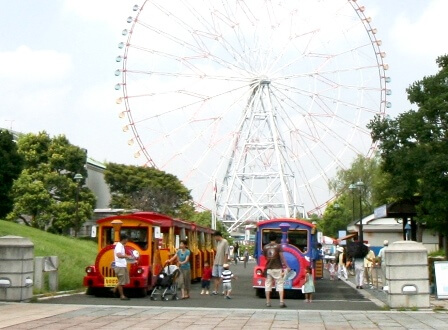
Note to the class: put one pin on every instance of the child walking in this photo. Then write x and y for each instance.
(226, 278)
(308, 287)
(206, 278)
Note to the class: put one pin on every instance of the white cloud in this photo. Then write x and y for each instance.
(112, 12)
(425, 35)
(25, 64)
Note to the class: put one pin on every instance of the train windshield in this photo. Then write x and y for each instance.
(296, 237)
(136, 235)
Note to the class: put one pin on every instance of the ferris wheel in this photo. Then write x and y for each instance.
(253, 105)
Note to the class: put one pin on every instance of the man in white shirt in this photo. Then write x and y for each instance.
(382, 261)
(221, 257)
(121, 267)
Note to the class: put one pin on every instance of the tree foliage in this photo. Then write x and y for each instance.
(149, 189)
(346, 207)
(414, 148)
(10, 167)
(45, 194)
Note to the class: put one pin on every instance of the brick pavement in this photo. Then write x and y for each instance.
(50, 316)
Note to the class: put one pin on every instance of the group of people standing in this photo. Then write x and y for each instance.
(276, 269)
(363, 266)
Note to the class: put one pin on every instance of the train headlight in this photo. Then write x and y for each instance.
(139, 270)
(89, 270)
(259, 272)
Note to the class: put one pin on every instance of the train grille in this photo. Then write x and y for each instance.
(107, 271)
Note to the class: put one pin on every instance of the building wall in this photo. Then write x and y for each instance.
(378, 230)
(95, 182)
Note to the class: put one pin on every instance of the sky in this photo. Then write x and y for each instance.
(57, 63)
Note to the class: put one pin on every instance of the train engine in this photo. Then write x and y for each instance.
(298, 240)
(100, 277)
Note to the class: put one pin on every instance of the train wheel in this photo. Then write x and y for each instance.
(142, 293)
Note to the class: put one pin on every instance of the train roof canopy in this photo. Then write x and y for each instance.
(278, 221)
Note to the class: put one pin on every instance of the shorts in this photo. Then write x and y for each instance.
(227, 286)
(217, 270)
(205, 284)
(186, 279)
(122, 274)
(277, 275)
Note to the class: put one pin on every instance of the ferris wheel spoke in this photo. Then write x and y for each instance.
(330, 99)
(181, 108)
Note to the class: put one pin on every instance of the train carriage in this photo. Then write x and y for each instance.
(153, 238)
(298, 240)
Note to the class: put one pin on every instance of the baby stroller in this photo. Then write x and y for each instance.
(166, 284)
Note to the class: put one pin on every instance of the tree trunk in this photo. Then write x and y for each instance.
(445, 246)
(420, 230)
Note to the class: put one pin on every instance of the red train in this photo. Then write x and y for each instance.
(153, 237)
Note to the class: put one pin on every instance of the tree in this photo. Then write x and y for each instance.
(345, 208)
(45, 192)
(10, 167)
(414, 148)
(205, 219)
(147, 188)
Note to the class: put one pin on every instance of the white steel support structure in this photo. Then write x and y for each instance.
(258, 183)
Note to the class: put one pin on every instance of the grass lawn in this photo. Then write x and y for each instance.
(74, 254)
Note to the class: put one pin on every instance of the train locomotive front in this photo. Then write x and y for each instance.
(100, 277)
(298, 240)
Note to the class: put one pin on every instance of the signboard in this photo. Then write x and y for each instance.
(342, 233)
(157, 233)
(441, 271)
(380, 212)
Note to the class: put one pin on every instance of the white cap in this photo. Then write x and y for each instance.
(386, 242)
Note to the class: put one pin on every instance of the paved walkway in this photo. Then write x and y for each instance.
(46, 316)
(66, 316)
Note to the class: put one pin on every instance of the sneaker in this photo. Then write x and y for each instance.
(207, 292)
(223, 293)
(227, 297)
(282, 305)
(214, 293)
(202, 292)
(268, 304)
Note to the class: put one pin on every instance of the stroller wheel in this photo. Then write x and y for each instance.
(166, 298)
(175, 297)
(152, 298)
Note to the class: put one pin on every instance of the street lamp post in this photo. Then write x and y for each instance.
(360, 186)
(352, 188)
(78, 177)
